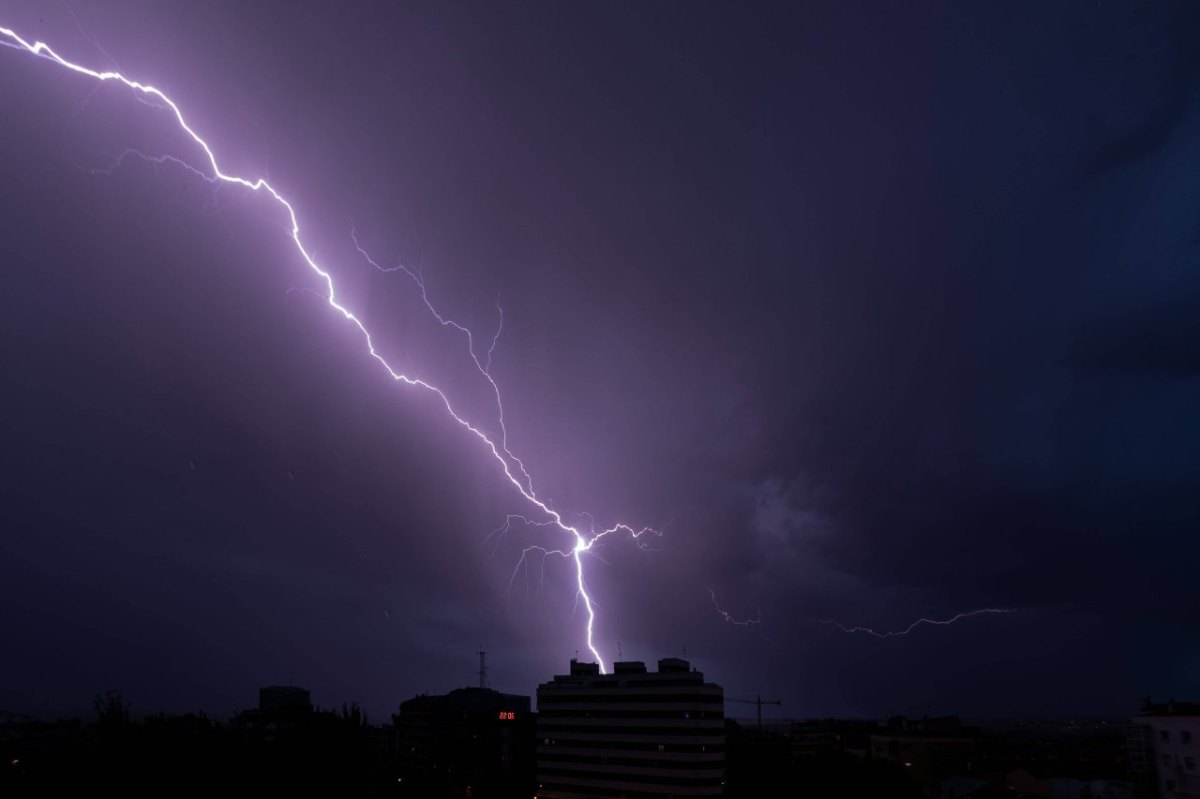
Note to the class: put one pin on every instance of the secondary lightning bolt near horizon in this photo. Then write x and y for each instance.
(750, 622)
(915, 624)
(582, 541)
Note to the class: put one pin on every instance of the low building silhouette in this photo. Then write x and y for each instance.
(470, 742)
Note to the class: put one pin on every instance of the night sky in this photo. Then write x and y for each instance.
(877, 312)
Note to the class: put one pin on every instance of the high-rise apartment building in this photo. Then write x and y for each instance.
(633, 733)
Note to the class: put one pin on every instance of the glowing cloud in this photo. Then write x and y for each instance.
(580, 541)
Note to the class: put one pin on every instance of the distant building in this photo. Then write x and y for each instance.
(1075, 788)
(811, 739)
(929, 748)
(281, 708)
(1166, 741)
(277, 700)
(1059, 780)
(822, 736)
(630, 733)
(471, 742)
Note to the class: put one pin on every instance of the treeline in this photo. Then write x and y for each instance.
(268, 754)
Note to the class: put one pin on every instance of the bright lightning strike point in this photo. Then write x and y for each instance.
(582, 540)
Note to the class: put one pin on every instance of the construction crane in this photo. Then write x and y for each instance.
(759, 702)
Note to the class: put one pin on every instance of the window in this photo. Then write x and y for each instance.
(1170, 785)
(1164, 735)
(1187, 736)
(1167, 760)
(1189, 763)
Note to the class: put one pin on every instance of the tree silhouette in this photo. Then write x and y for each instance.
(111, 709)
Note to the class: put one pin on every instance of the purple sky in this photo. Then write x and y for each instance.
(877, 313)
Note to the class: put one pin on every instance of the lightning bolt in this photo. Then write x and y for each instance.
(484, 368)
(580, 541)
(729, 617)
(915, 624)
(748, 622)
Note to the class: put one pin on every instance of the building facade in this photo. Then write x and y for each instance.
(634, 734)
(1166, 742)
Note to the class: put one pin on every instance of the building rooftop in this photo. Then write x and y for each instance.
(1169, 708)
(665, 666)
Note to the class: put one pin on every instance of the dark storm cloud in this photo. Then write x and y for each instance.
(1161, 340)
(817, 289)
(1153, 132)
(965, 451)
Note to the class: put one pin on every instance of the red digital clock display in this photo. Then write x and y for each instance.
(508, 715)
